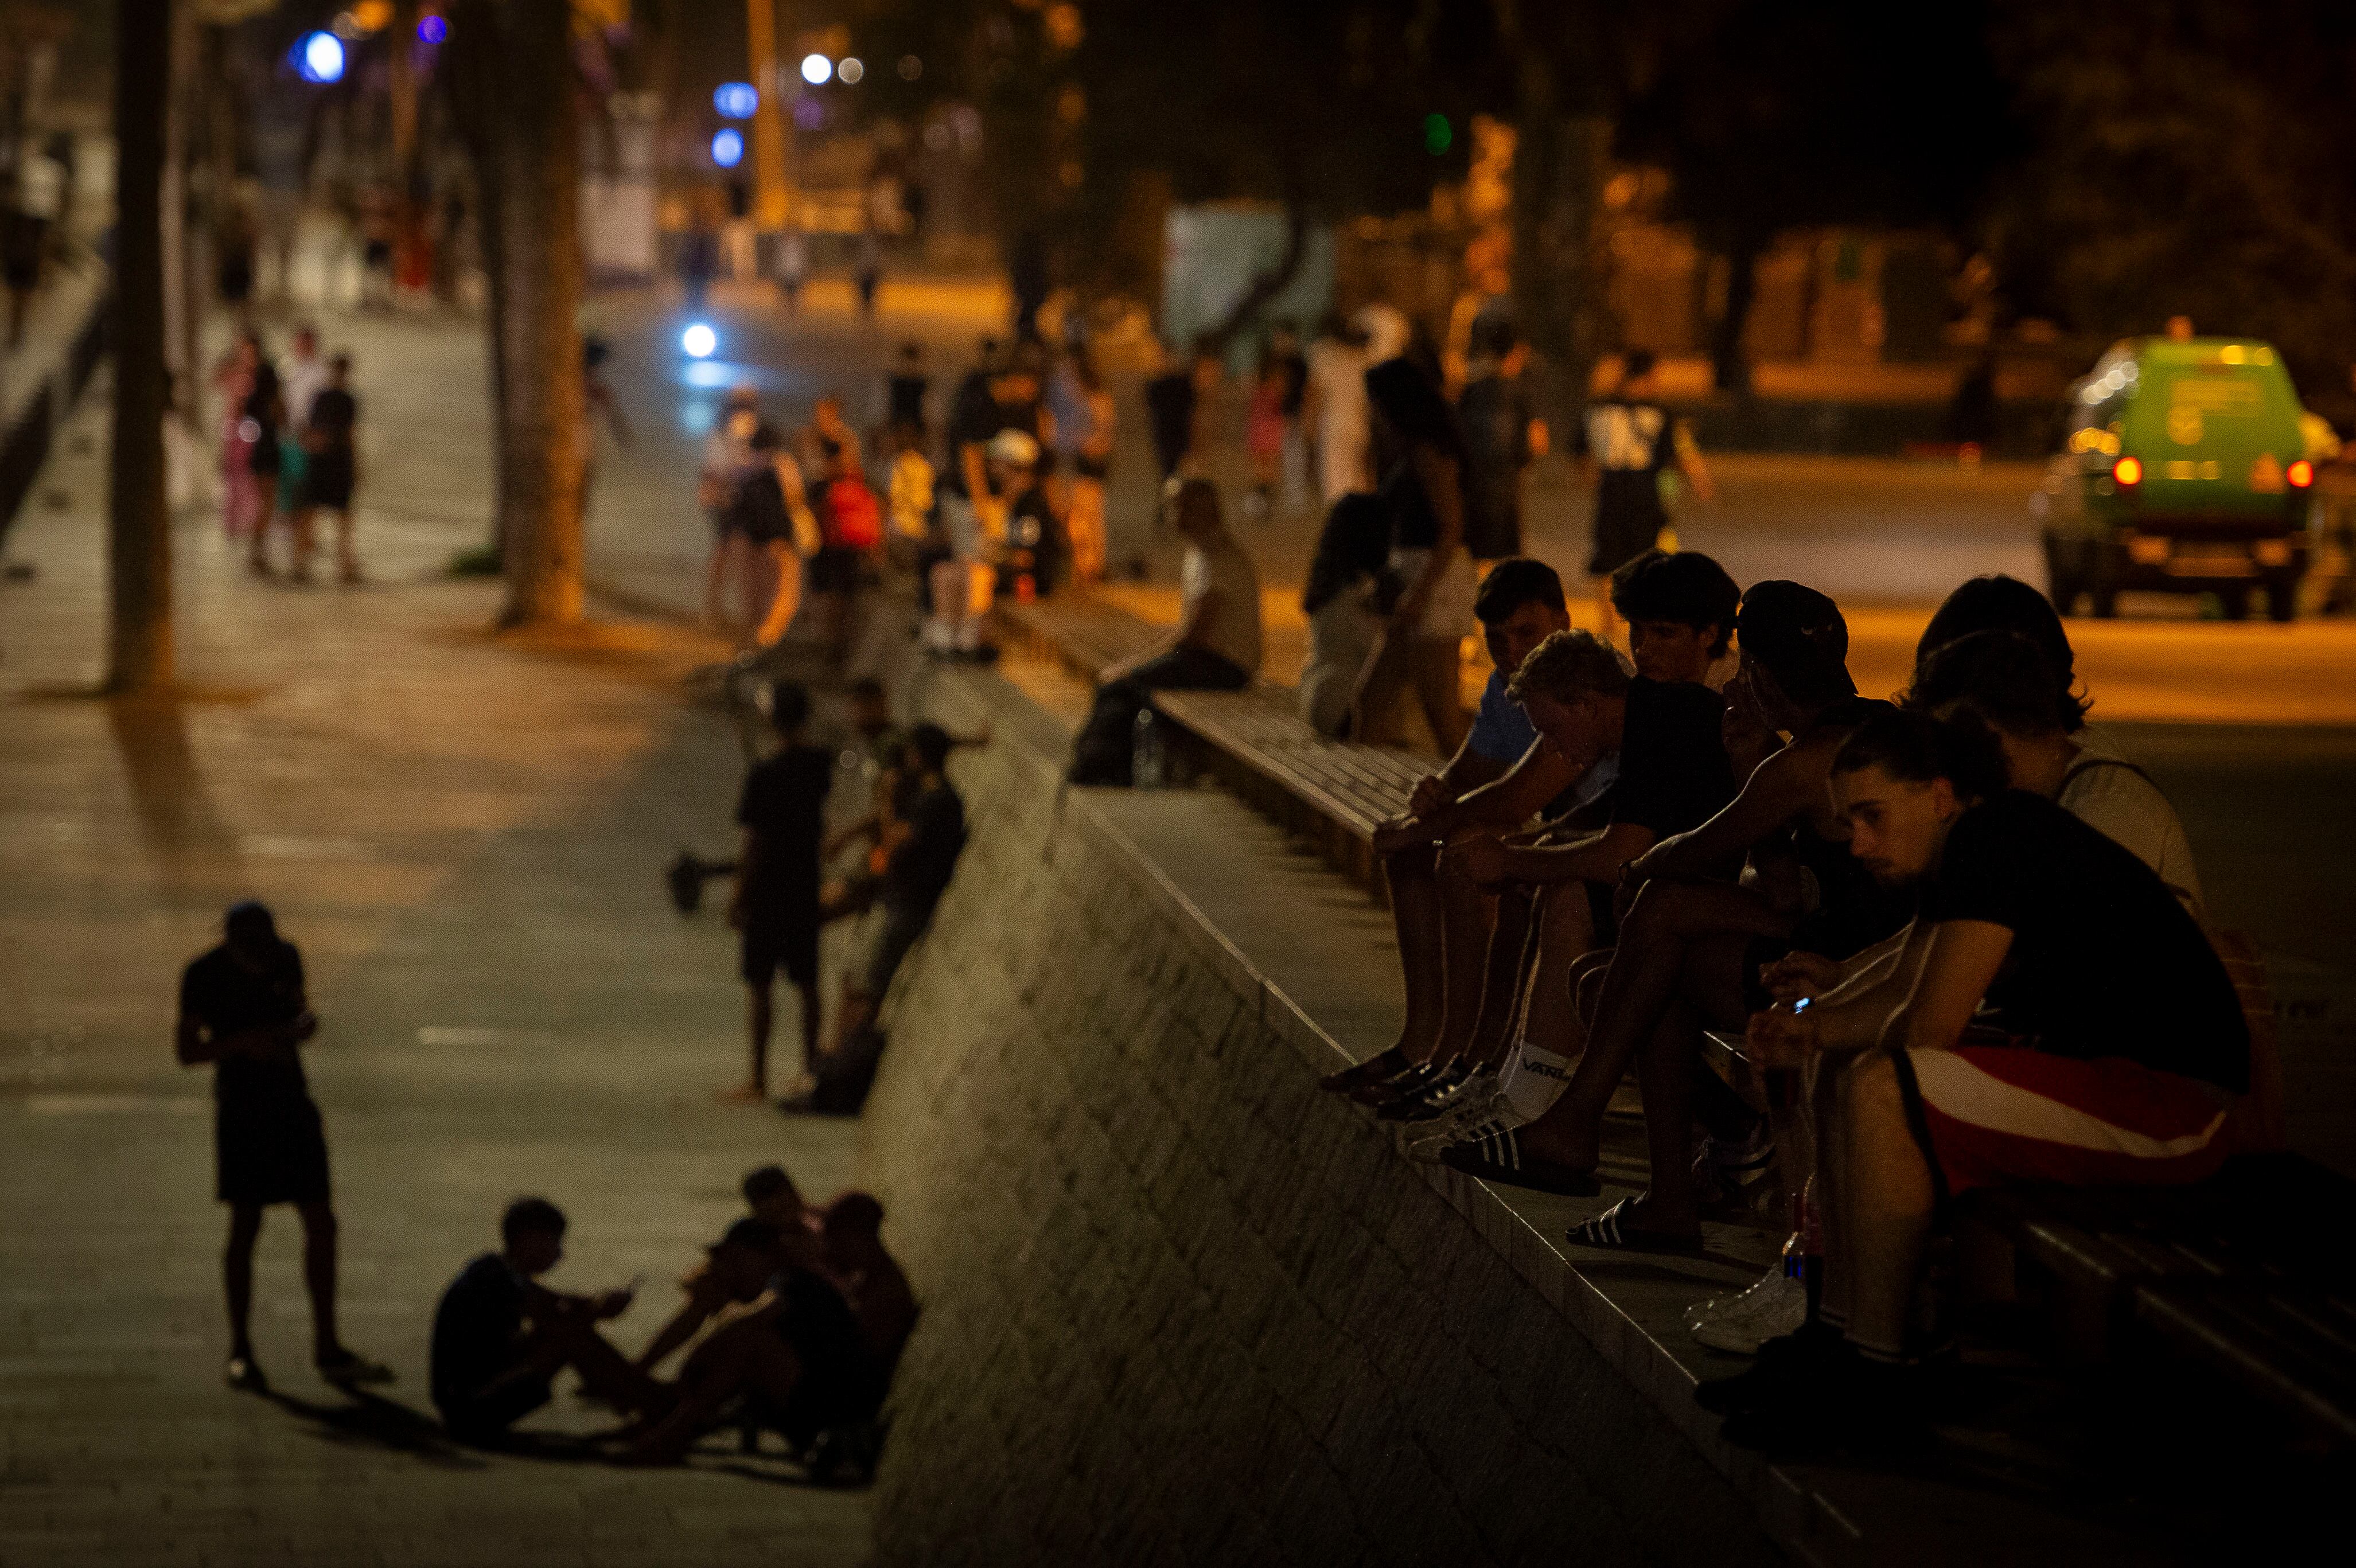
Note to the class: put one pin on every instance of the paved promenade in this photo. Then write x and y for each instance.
(464, 833)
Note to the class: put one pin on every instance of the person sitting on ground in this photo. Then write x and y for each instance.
(871, 1280)
(783, 812)
(1586, 704)
(1346, 600)
(1693, 942)
(775, 1202)
(500, 1335)
(916, 870)
(1680, 612)
(790, 1342)
(2050, 979)
(1035, 552)
(1216, 648)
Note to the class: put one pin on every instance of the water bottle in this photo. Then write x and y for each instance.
(1147, 762)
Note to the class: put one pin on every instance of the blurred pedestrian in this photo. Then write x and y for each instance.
(233, 246)
(1264, 425)
(1334, 411)
(739, 240)
(1174, 403)
(233, 380)
(262, 418)
(727, 456)
(772, 511)
(331, 470)
(793, 264)
(24, 246)
(910, 497)
(1292, 365)
(1631, 443)
(905, 388)
(698, 251)
(1347, 599)
(1501, 438)
(781, 809)
(1422, 493)
(868, 270)
(244, 1012)
(851, 530)
(1084, 415)
(379, 227)
(956, 564)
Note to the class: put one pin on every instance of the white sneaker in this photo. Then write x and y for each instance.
(1776, 1305)
(1493, 1113)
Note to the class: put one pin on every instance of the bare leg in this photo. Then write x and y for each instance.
(306, 538)
(348, 563)
(236, 1276)
(1438, 690)
(750, 1354)
(1418, 916)
(319, 1278)
(1511, 951)
(758, 1014)
(1566, 950)
(1646, 971)
(605, 1372)
(788, 566)
(715, 581)
(1471, 928)
(1889, 1200)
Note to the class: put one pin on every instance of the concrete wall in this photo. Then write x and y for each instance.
(1180, 1307)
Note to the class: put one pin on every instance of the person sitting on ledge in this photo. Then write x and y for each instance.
(775, 1201)
(1216, 646)
(1498, 780)
(500, 1335)
(2064, 1020)
(1694, 942)
(1586, 704)
(1679, 609)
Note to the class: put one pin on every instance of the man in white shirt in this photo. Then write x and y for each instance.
(301, 376)
(1334, 408)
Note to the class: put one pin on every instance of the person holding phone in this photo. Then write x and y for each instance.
(243, 1012)
(500, 1336)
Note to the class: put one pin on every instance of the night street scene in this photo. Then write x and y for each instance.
(937, 782)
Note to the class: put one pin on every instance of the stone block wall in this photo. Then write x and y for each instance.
(1180, 1307)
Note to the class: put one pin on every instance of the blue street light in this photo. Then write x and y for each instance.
(727, 148)
(699, 341)
(319, 57)
(736, 100)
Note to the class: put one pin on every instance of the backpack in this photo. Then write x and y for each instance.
(853, 518)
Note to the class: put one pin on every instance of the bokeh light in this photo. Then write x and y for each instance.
(727, 148)
(431, 29)
(850, 71)
(736, 100)
(815, 68)
(699, 341)
(320, 58)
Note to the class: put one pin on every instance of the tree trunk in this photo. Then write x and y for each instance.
(1729, 364)
(139, 532)
(542, 424)
(476, 79)
(1559, 277)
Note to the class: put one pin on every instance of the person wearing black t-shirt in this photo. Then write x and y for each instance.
(242, 1009)
(1586, 705)
(920, 850)
(500, 1335)
(330, 470)
(2065, 1020)
(783, 812)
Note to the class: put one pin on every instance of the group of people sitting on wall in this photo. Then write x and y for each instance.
(1963, 946)
(796, 1318)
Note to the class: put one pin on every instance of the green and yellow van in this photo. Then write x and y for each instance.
(2184, 471)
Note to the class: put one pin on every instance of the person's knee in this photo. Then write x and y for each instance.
(1416, 863)
(1587, 995)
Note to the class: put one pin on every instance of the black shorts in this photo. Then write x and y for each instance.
(790, 944)
(835, 569)
(486, 1420)
(326, 481)
(1623, 532)
(270, 1154)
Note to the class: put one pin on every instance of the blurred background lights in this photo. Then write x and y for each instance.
(320, 58)
(432, 29)
(736, 100)
(911, 68)
(851, 70)
(815, 68)
(698, 340)
(727, 148)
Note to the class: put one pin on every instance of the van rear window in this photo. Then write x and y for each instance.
(2237, 398)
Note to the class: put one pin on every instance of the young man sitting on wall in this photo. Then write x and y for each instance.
(2063, 1019)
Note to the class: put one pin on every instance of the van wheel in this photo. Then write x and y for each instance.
(2235, 603)
(2282, 597)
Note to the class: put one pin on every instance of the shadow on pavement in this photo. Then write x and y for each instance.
(376, 1421)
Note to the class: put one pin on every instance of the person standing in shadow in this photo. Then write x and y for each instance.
(243, 1012)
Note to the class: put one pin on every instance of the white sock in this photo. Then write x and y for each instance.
(1534, 1079)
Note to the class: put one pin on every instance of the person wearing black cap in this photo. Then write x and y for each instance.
(500, 1335)
(1694, 943)
(242, 1009)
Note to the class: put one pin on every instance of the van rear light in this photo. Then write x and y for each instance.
(2127, 472)
(2301, 473)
